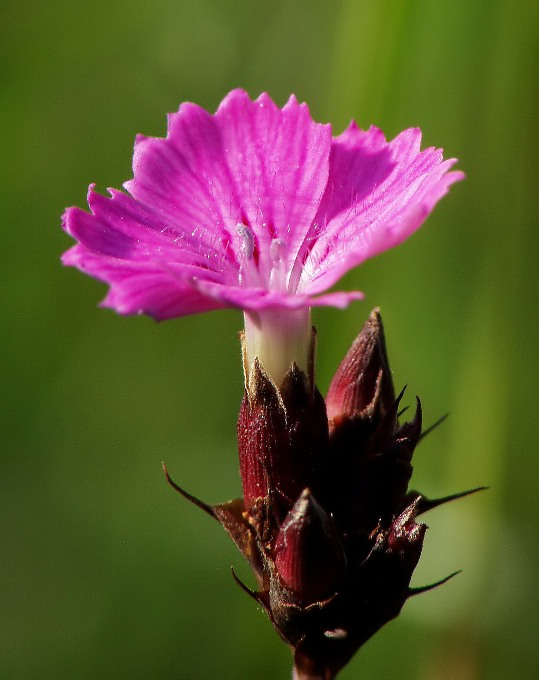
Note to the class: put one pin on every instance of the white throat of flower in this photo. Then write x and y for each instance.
(277, 336)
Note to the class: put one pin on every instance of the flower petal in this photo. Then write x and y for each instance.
(250, 163)
(378, 193)
(259, 299)
(253, 207)
(147, 263)
(139, 289)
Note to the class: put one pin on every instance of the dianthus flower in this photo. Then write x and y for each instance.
(258, 208)
(261, 209)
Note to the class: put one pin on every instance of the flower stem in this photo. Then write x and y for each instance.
(306, 675)
(278, 338)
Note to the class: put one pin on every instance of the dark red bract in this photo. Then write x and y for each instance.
(327, 522)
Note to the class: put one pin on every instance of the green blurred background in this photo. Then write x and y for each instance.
(104, 571)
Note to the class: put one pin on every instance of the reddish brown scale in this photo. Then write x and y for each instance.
(405, 537)
(261, 437)
(282, 440)
(308, 554)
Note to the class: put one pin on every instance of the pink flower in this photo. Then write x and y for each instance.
(254, 207)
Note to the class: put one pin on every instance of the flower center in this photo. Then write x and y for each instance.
(276, 335)
(250, 274)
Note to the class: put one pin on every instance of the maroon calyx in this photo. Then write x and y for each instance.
(327, 522)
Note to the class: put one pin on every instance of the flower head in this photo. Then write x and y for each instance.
(254, 207)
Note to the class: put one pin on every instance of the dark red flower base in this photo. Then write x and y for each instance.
(327, 522)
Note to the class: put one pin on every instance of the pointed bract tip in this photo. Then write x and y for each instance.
(426, 504)
(245, 588)
(432, 586)
(192, 499)
(434, 425)
(259, 384)
(406, 536)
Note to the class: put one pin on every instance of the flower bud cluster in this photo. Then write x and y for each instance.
(326, 521)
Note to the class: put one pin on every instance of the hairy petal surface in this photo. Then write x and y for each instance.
(148, 265)
(251, 163)
(378, 194)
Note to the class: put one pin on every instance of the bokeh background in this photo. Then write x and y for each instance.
(104, 571)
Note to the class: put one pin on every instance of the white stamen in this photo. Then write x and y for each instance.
(247, 240)
(277, 279)
(277, 247)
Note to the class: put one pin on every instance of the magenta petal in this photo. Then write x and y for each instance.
(251, 163)
(254, 207)
(122, 227)
(158, 296)
(256, 300)
(147, 264)
(378, 194)
(138, 289)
